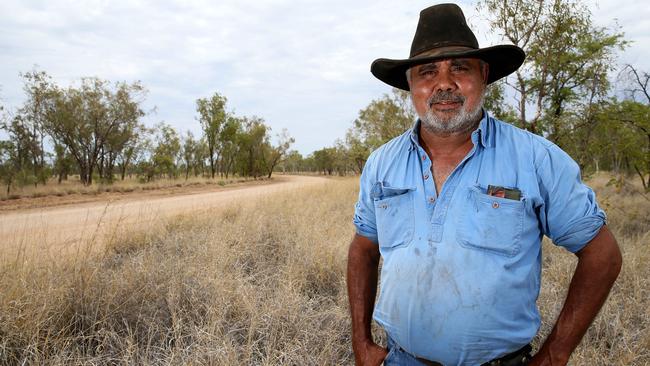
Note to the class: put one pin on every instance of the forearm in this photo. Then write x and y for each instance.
(363, 263)
(598, 266)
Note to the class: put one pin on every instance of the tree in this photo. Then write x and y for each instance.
(24, 151)
(167, 150)
(63, 162)
(212, 116)
(568, 59)
(131, 149)
(8, 166)
(635, 115)
(272, 155)
(384, 119)
(189, 152)
(495, 103)
(629, 138)
(357, 151)
(637, 80)
(292, 163)
(325, 160)
(119, 149)
(36, 86)
(253, 140)
(230, 147)
(85, 118)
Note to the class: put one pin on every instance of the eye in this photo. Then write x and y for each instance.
(426, 72)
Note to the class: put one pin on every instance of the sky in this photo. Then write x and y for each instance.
(299, 65)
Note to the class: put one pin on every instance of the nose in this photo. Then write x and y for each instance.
(445, 81)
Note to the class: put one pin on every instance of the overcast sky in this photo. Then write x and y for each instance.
(300, 65)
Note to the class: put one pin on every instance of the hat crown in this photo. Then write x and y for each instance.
(442, 25)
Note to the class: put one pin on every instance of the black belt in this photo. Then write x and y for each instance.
(519, 357)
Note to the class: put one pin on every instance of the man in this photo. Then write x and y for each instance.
(457, 208)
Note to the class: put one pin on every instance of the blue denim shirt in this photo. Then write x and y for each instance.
(461, 270)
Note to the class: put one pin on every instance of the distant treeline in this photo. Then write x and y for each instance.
(94, 131)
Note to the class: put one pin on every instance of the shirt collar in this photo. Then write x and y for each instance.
(483, 133)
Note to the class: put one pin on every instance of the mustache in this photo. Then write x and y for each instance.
(445, 96)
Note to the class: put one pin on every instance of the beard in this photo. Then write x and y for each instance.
(465, 120)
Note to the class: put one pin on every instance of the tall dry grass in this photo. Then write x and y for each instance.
(620, 335)
(255, 283)
(261, 283)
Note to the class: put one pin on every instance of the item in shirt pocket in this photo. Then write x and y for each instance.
(509, 193)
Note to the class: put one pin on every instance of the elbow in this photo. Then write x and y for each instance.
(613, 258)
(603, 255)
(616, 262)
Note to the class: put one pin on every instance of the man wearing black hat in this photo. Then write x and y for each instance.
(457, 207)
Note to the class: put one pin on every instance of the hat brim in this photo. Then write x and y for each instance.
(503, 60)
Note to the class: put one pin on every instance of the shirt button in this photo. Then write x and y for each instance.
(424, 157)
(495, 204)
(432, 199)
(426, 176)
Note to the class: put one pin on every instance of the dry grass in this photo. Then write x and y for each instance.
(620, 335)
(261, 283)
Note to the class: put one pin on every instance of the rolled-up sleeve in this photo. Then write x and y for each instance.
(364, 212)
(571, 216)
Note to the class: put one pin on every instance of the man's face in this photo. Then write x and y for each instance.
(448, 94)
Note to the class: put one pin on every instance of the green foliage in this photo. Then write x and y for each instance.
(189, 153)
(22, 152)
(567, 64)
(63, 162)
(357, 150)
(325, 159)
(212, 116)
(230, 147)
(384, 118)
(91, 120)
(252, 142)
(495, 103)
(28, 127)
(8, 169)
(625, 136)
(272, 155)
(167, 150)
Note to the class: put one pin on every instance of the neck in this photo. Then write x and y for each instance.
(446, 144)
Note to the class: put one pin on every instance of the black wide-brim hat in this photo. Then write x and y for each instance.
(442, 33)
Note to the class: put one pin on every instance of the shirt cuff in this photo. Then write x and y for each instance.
(370, 235)
(582, 232)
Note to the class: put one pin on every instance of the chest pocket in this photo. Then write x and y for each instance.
(491, 223)
(395, 216)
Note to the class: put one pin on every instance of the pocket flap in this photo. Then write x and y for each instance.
(382, 191)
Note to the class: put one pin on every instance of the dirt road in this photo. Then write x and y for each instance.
(45, 232)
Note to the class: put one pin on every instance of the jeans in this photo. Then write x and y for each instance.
(398, 357)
